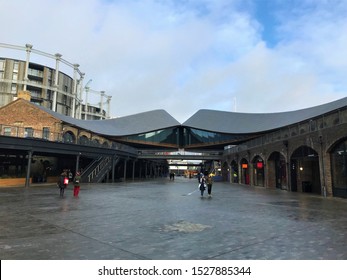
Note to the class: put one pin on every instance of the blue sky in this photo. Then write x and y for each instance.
(182, 56)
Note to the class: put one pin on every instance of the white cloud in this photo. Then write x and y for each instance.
(182, 56)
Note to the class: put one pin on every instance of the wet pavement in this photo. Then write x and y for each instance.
(166, 220)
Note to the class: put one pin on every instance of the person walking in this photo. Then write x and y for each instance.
(202, 185)
(63, 182)
(209, 182)
(76, 182)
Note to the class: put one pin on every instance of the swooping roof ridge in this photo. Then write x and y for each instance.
(122, 126)
(204, 119)
(243, 123)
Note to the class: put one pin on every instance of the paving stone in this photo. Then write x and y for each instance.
(167, 220)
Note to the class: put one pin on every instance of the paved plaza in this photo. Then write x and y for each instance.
(167, 220)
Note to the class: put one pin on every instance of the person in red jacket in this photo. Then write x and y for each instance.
(76, 182)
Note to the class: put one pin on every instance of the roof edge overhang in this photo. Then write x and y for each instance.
(254, 123)
(234, 123)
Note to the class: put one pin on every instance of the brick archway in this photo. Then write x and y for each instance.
(305, 173)
(258, 171)
(69, 137)
(277, 171)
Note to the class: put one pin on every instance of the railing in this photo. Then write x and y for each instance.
(104, 171)
(202, 155)
(27, 132)
(89, 168)
(104, 163)
(22, 48)
(39, 85)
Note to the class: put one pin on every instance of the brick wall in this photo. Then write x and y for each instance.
(322, 140)
(22, 113)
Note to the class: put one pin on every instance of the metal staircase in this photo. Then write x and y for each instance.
(98, 170)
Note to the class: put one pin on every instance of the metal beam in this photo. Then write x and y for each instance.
(182, 164)
(182, 157)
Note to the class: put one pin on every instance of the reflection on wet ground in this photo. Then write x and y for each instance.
(163, 219)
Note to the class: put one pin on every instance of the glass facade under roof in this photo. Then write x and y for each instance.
(182, 137)
(164, 137)
(194, 136)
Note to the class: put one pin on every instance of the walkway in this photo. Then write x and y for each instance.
(168, 220)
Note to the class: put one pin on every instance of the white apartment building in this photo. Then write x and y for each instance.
(49, 87)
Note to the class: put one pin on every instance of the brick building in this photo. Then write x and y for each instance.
(21, 118)
(303, 151)
(310, 156)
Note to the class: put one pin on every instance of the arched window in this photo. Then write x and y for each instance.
(83, 140)
(95, 142)
(69, 137)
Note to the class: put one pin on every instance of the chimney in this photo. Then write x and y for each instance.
(24, 95)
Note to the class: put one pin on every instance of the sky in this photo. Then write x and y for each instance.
(254, 56)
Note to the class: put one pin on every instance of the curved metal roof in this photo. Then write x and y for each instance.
(248, 123)
(208, 120)
(123, 126)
